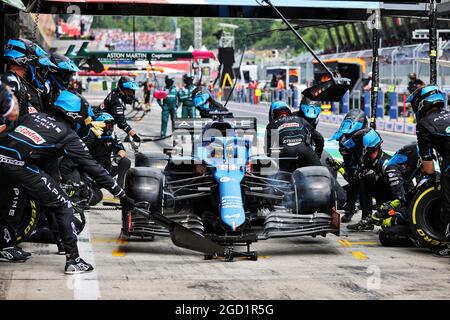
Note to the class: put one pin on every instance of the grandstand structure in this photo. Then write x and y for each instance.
(117, 39)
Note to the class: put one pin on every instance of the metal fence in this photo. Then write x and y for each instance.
(395, 64)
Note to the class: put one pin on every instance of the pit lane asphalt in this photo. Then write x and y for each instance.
(352, 266)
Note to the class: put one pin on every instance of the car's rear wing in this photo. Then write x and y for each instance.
(195, 125)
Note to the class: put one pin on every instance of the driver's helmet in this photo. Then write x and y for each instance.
(366, 140)
(424, 99)
(62, 76)
(127, 87)
(354, 121)
(73, 108)
(202, 98)
(108, 127)
(278, 109)
(169, 81)
(310, 111)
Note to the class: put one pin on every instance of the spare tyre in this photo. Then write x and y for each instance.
(396, 236)
(314, 190)
(425, 218)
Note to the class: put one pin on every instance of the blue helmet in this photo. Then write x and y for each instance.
(368, 139)
(310, 111)
(127, 83)
(127, 87)
(277, 108)
(74, 108)
(424, 99)
(201, 99)
(24, 52)
(62, 76)
(354, 121)
(108, 119)
(64, 63)
(408, 155)
(104, 116)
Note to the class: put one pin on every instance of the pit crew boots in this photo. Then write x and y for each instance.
(347, 217)
(13, 254)
(362, 225)
(76, 265)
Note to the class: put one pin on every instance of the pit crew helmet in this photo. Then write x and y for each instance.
(73, 108)
(310, 111)
(424, 99)
(277, 109)
(127, 87)
(354, 121)
(62, 76)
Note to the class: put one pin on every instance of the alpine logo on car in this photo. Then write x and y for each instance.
(225, 179)
(233, 216)
(31, 134)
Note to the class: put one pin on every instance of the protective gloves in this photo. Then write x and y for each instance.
(136, 138)
(369, 175)
(385, 214)
(127, 203)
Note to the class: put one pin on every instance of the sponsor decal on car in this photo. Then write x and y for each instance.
(31, 134)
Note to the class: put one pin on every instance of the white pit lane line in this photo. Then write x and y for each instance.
(85, 286)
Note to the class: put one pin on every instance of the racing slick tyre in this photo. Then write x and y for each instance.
(396, 236)
(314, 190)
(425, 221)
(151, 159)
(143, 185)
(27, 219)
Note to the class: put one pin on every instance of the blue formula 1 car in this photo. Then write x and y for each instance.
(220, 195)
